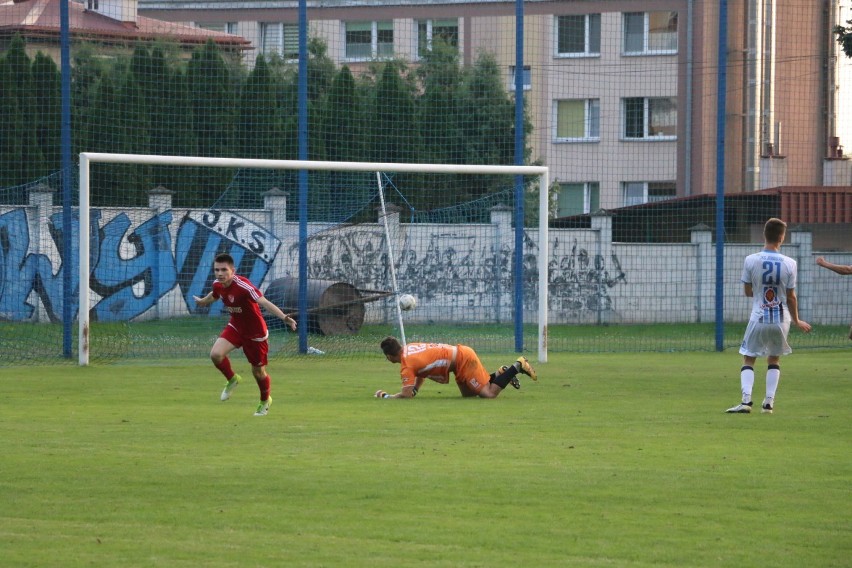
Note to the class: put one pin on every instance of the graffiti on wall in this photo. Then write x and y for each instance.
(580, 281)
(465, 268)
(131, 267)
(145, 264)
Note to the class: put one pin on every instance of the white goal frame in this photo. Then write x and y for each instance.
(88, 158)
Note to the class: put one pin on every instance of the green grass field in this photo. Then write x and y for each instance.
(610, 460)
(189, 338)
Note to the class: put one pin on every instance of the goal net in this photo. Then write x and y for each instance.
(335, 248)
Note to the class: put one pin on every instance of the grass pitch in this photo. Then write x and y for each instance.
(621, 460)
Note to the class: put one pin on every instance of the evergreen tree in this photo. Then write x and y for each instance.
(438, 106)
(133, 135)
(178, 139)
(87, 71)
(439, 115)
(47, 95)
(11, 128)
(104, 135)
(259, 128)
(159, 87)
(209, 84)
(321, 73)
(342, 128)
(488, 125)
(395, 136)
(31, 165)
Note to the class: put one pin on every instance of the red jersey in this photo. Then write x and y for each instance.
(240, 299)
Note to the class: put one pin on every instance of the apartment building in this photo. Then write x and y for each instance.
(622, 93)
(114, 25)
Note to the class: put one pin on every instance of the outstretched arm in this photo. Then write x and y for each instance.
(275, 310)
(838, 268)
(205, 301)
(406, 392)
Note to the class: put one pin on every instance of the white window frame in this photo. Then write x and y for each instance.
(374, 41)
(644, 187)
(587, 51)
(588, 106)
(527, 77)
(646, 120)
(587, 195)
(646, 35)
(226, 27)
(429, 26)
(278, 49)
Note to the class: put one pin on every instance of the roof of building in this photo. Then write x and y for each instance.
(313, 4)
(42, 18)
(673, 219)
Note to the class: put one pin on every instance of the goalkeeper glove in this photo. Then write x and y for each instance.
(381, 394)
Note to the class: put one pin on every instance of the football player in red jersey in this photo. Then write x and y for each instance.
(246, 328)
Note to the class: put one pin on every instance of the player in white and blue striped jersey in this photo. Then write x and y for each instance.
(769, 277)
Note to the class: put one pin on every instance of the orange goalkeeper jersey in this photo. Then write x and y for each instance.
(437, 360)
(426, 361)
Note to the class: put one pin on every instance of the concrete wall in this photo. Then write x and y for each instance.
(149, 262)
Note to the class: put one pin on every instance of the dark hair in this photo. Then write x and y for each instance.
(224, 257)
(774, 230)
(390, 346)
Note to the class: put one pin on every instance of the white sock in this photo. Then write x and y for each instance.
(773, 376)
(746, 382)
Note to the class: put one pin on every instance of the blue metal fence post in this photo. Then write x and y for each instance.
(519, 180)
(303, 176)
(721, 88)
(68, 264)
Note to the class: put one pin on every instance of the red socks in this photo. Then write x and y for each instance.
(265, 385)
(225, 368)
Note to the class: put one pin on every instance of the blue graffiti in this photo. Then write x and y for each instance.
(131, 286)
(132, 269)
(22, 274)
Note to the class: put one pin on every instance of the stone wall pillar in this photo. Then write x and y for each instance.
(705, 272)
(275, 203)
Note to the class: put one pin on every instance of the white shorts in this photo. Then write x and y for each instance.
(766, 339)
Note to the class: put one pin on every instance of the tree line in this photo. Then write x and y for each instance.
(156, 101)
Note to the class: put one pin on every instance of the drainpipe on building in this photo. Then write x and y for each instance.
(687, 151)
(754, 97)
(771, 132)
(830, 80)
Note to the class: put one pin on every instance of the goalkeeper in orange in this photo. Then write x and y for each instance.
(435, 361)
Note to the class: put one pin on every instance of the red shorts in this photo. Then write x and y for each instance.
(256, 352)
(471, 376)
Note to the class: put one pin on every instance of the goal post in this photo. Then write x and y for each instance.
(87, 159)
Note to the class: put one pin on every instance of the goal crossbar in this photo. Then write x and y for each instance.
(88, 158)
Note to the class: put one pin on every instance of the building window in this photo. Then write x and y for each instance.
(228, 28)
(646, 118)
(369, 40)
(281, 39)
(527, 78)
(638, 192)
(578, 198)
(578, 119)
(578, 35)
(650, 33)
(429, 31)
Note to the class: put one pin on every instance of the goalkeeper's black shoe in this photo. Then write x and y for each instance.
(515, 382)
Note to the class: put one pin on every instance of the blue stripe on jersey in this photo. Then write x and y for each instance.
(773, 309)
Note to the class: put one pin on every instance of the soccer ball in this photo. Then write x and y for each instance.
(407, 302)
